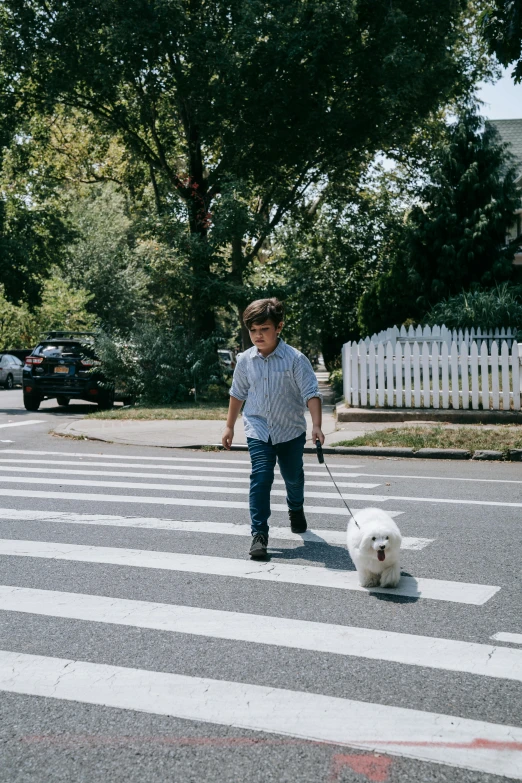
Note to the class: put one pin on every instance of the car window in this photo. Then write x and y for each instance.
(56, 349)
(15, 361)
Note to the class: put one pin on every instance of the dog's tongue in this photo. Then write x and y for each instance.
(380, 554)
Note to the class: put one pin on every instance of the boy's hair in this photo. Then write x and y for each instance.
(263, 310)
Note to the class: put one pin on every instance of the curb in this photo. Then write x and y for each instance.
(442, 415)
(512, 455)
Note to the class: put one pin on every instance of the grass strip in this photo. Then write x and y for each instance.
(207, 411)
(475, 437)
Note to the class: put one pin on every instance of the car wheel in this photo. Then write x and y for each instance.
(9, 383)
(63, 400)
(106, 400)
(32, 402)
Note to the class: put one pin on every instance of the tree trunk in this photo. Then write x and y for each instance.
(238, 265)
(245, 334)
(203, 305)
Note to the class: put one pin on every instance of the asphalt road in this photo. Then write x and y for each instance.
(139, 643)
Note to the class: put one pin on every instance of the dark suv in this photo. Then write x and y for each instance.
(64, 365)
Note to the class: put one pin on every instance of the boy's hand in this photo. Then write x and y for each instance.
(227, 437)
(317, 433)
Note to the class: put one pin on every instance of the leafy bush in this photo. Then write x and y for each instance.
(161, 366)
(487, 308)
(336, 382)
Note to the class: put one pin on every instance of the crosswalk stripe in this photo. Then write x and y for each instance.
(431, 652)
(173, 487)
(100, 455)
(96, 497)
(512, 638)
(174, 468)
(238, 491)
(439, 479)
(319, 536)
(169, 477)
(22, 423)
(450, 500)
(446, 739)
(268, 571)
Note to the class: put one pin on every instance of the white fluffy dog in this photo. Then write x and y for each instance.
(374, 542)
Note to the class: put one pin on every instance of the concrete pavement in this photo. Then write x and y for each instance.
(126, 582)
(190, 432)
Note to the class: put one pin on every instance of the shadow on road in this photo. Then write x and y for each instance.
(335, 557)
(12, 405)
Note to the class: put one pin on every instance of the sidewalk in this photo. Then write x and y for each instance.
(194, 433)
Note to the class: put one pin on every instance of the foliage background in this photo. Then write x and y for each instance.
(162, 167)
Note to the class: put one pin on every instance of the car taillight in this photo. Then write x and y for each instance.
(34, 359)
(90, 363)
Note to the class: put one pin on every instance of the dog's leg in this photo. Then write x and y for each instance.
(368, 579)
(390, 576)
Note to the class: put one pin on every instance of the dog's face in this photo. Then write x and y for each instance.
(379, 542)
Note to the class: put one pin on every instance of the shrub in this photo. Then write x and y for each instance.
(487, 308)
(161, 366)
(336, 382)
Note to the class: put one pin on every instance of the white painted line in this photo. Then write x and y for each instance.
(485, 660)
(452, 500)
(175, 468)
(169, 477)
(431, 478)
(513, 638)
(268, 571)
(101, 455)
(22, 423)
(427, 736)
(95, 497)
(318, 536)
(132, 485)
(238, 491)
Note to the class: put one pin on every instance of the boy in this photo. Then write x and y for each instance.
(277, 382)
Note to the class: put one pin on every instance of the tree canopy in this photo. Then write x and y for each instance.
(455, 236)
(233, 112)
(502, 24)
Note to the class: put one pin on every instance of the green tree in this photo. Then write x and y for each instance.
(33, 235)
(327, 260)
(502, 27)
(455, 236)
(234, 111)
(34, 229)
(104, 260)
(61, 307)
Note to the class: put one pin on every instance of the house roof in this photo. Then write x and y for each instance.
(511, 132)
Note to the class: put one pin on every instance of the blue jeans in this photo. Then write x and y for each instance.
(263, 456)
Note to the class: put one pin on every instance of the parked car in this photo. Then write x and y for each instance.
(10, 370)
(20, 353)
(64, 366)
(227, 358)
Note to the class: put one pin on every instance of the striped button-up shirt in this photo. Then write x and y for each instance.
(276, 389)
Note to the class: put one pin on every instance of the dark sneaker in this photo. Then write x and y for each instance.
(259, 545)
(297, 521)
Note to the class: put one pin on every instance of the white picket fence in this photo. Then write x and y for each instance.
(438, 335)
(420, 375)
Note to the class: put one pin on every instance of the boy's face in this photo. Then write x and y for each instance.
(264, 336)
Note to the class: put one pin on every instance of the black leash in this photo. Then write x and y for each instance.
(320, 458)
